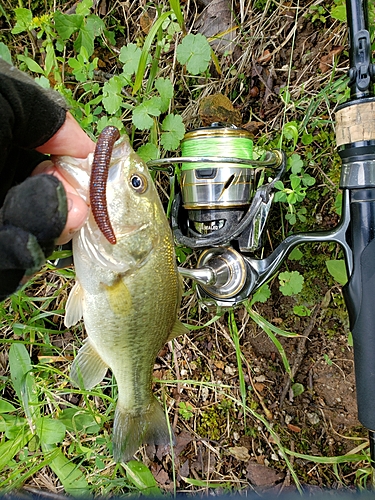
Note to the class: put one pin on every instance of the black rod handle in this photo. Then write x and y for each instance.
(359, 294)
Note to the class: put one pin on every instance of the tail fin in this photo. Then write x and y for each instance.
(130, 431)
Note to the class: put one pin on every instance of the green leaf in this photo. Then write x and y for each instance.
(337, 269)
(84, 39)
(261, 295)
(297, 389)
(266, 325)
(83, 7)
(295, 164)
(339, 13)
(307, 139)
(49, 430)
(173, 131)
(12, 425)
(23, 380)
(8, 449)
(307, 180)
(31, 64)
(279, 185)
(79, 420)
(94, 25)
(176, 7)
(185, 410)
(104, 121)
(112, 97)
(143, 112)
(295, 181)
(91, 28)
(290, 131)
(130, 55)
(270, 330)
(67, 24)
(291, 283)
(71, 477)
(141, 476)
(165, 88)
(5, 53)
(145, 56)
(195, 52)
(295, 254)
(338, 203)
(6, 407)
(280, 196)
(301, 311)
(148, 152)
(24, 19)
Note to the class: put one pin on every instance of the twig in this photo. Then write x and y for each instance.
(299, 354)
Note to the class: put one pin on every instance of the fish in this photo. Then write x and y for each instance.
(128, 294)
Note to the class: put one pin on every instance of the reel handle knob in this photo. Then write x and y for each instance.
(203, 275)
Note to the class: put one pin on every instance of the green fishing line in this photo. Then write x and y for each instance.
(224, 146)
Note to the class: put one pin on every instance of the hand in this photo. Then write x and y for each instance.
(69, 140)
(42, 211)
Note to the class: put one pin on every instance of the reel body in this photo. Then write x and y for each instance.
(221, 206)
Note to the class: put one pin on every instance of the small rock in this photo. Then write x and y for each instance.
(229, 370)
(313, 418)
(240, 453)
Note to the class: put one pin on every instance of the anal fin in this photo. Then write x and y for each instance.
(177, 330)
(88, 368)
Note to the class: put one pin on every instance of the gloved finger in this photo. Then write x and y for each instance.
(20, 254)
(19, 249)
(10, 280)
(38, 205)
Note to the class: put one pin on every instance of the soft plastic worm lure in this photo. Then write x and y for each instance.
(98, 181)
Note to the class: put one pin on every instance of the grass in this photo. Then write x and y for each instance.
(218, 391)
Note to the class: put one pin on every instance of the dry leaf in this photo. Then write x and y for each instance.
(258, 386)
(294, 428)
(326, 62)
(217, 21)
(260, 475)
(219, 364)
(182, 440)
(265, 57)
(147, 19)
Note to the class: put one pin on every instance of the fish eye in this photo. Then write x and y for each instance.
(139, 183)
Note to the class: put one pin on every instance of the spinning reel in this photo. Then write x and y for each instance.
(225, 191)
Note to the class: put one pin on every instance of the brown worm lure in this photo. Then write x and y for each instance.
(98, 181)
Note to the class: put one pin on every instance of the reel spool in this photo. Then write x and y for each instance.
(218, 207)
(218, 201)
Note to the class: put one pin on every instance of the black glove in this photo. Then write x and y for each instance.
(33, 216)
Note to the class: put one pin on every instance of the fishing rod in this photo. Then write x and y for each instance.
(219, 210)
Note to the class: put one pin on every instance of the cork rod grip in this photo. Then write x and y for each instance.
(355, 123)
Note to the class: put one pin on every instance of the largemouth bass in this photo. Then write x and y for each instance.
(128, 294)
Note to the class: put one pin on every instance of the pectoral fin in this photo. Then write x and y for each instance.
(88, 368)
(119, 298)
(74, 305)
(177, 330)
